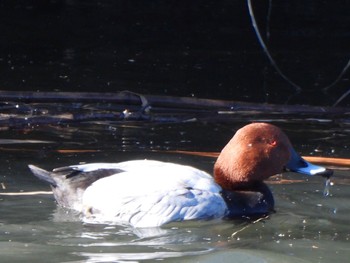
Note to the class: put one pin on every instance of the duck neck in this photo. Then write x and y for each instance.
(251, 201)
(239, 186)
(222, 178)
(244, 186)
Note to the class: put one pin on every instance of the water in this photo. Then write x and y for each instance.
(307, 226)
(202, 49)
(199, 48)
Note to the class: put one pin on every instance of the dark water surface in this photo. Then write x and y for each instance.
(307, 226)
(201, 48)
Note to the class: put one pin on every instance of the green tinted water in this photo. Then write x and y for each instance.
(307, 226)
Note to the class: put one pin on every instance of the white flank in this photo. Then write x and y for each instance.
(151, 193)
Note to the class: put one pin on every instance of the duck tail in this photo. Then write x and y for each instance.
(43, 175)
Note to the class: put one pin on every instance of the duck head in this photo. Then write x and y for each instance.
(256, 152)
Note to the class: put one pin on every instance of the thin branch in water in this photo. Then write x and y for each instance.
(267, 52)
(345, 69)
(26, 193)
(268, 18)
(298, 89)
(342, 97)
(245, 227)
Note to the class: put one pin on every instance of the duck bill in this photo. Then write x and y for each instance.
(299, 165)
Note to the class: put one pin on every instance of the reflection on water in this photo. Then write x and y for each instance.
(307, 226)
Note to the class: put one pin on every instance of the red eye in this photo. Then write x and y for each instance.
(273, 143)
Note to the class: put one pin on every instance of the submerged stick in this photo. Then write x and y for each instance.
(314, 159)
(27, 193)
(328, 160)
(131, 98)
(341, 162)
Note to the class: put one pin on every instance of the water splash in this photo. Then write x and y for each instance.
(327, 185)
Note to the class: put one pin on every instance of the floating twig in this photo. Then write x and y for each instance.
(27, 193)
(343, 162)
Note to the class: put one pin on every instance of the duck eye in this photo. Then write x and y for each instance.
(273, 143)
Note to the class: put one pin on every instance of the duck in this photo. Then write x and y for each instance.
(151, 193)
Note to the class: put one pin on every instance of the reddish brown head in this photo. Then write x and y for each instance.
(256, 152)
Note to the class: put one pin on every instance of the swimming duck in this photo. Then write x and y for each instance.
(148, 193)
